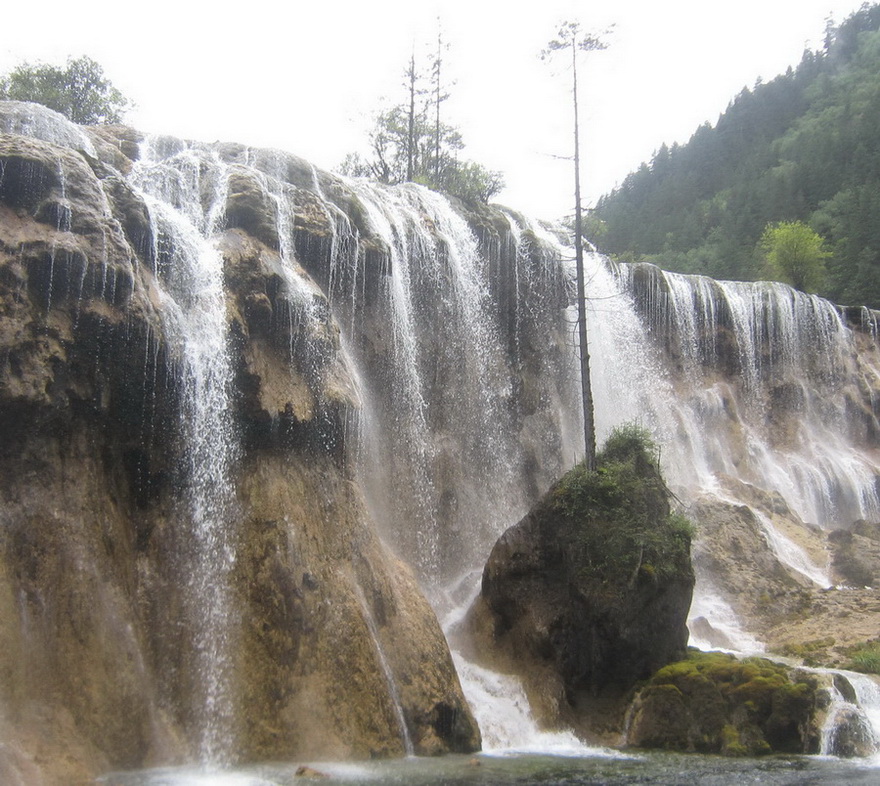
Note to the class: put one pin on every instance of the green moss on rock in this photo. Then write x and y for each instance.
(617, 518)
(733, 707)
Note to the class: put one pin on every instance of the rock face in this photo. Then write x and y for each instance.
(589, 593)
(713, 703)
(228, 380)
(793, 615)
(328, 647)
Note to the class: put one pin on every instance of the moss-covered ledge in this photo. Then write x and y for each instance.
(713, 703)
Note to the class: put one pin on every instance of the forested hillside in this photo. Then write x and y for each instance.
(803, 147)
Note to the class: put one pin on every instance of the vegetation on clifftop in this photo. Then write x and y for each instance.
(412, 142)
(79, 90)
(802, 147)
(619, 517)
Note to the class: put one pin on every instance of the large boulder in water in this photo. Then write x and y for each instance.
(714, 703)
(589, 593)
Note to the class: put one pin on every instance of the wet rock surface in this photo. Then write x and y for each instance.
(792, 614)
(572, 605)
(97, 670)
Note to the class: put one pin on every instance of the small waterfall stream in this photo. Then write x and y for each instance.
(852, 723)
(390, 681)
(195, 314)
(868, 699)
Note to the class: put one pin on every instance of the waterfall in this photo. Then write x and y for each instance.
(661, 345)
(40, 122)
(499, 701)
(173, 179)
(445, 466)
(852, 720)
(868, 699)
(504, 714)
(457, 328)
(792, 355)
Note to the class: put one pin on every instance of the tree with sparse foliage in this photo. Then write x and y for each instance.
(410, 143)
(795, 254)
(438, 97)
(571, 38)
(80, 91)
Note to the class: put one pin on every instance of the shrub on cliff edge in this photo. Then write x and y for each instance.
(619, 520)
(79, 91)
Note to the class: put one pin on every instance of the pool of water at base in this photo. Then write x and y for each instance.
(512, 769)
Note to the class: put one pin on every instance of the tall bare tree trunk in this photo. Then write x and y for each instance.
(586, 386)
(411, 130)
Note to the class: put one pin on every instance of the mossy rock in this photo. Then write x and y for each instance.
(661, 718)
(616, 521)
(593, 585)
(734, 707)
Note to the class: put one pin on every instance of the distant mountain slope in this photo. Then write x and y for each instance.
(804, 146)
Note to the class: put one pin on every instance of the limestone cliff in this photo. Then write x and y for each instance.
(247, 406)
(329, 649)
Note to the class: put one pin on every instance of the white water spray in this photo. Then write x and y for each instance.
(195, 317)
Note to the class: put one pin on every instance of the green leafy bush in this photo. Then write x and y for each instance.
(80, 91)
(618, 521)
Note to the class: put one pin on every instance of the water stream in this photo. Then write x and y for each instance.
(388, 674)
(173, 179)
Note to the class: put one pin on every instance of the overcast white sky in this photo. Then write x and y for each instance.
(307, 76)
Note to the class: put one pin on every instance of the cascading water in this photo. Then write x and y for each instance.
(792, 352)
(468, 389)
(867, 692)
(391, 682)
(447, 459)
(38, 122)
(852, 722)
(173, 179)
(428, 432)
(745, 386)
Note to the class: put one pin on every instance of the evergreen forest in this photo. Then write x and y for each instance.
(801, 149)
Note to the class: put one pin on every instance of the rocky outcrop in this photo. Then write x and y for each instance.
(714, 703)
(784, 608)
(333, 650)
(589, 593)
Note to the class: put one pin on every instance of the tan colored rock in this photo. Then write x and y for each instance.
(336, 603)
(789, 613)
(96, 655)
